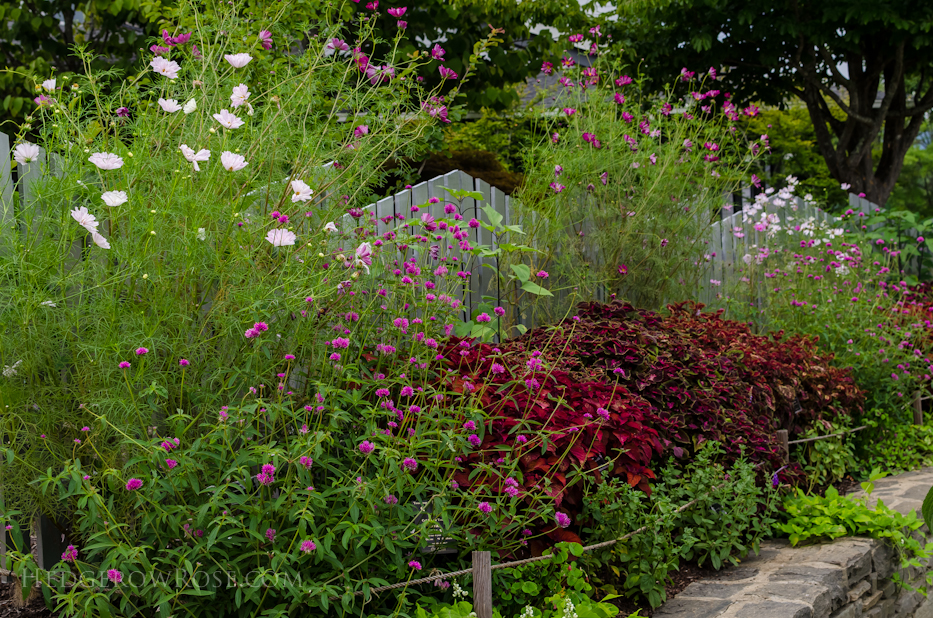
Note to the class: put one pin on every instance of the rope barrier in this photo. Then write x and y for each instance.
(515, 563)
(832, 435)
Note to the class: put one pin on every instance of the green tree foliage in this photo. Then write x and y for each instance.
(39, 36)
(872, 59)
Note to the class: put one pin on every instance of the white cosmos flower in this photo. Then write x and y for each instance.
(202, 233)
(193, 157)
(249, 108)
(100, 241)
(232, 162)
(10, 370)
(106, 160)
(239, 96)
(85, 219)
(164, 66)
(330, 227)
(281, 238)
(302, 192)
(228, 120)
(25, 153)
(114, 198)
(190, 106)
(238, 61)
(49, 84)
(169, 105)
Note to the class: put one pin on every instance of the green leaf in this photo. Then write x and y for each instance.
(522, 271)
(534, 288)
(927, 509)
(495, 219)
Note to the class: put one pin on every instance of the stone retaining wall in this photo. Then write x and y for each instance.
(848, 578)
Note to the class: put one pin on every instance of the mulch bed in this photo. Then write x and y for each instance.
(11, 609)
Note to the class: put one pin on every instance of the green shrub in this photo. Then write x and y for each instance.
(814, 518)
(731, 515)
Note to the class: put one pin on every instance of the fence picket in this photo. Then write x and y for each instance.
(7, 216)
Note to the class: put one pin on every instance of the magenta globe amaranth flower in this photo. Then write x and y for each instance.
(485, 508)
(409, 464)
(133, 484)
(141, 351)
(415, 565)
(308, 546)
(184, 362)
(367, 447)
(124, 365)
(563, 520)
(115, 576)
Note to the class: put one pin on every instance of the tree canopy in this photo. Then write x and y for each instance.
(871, 58)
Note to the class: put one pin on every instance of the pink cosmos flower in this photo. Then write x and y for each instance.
(232, 162)
(335, 45)
(165, 67)
(85, 219)
(446, 73)
(397, 12)
(570, 111)
(301, 192)
(437, 52)
(194, 157)
(547, 68)
(228, 120)
(26, 153)
(133, 484)
(238, 61)
(364, 256)
(169, 105)
(239, 96)
(265, 39)
(377, 73)
(281, 238)
(106, 160)
(114, 198)
(361, 130)
(115, 576)
(557, 187)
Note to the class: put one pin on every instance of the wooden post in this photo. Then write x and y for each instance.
(482, 584)
(918, 408)
(785, 447)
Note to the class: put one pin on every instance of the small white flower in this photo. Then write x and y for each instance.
(229, 120)
(106, 160)
(164, 66)
(232, 162)
(239, 96)
(281, 238)
(249, 108)
(202, 233)
(10, 371)
(193, 157)
(190, 106)
(25, 153)
(170, 105)
(302, 192)
(114, 198)
(48, 303)
(238, 61)
(49, 85)
(85, 219)
(330, 227)
(99, 240)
